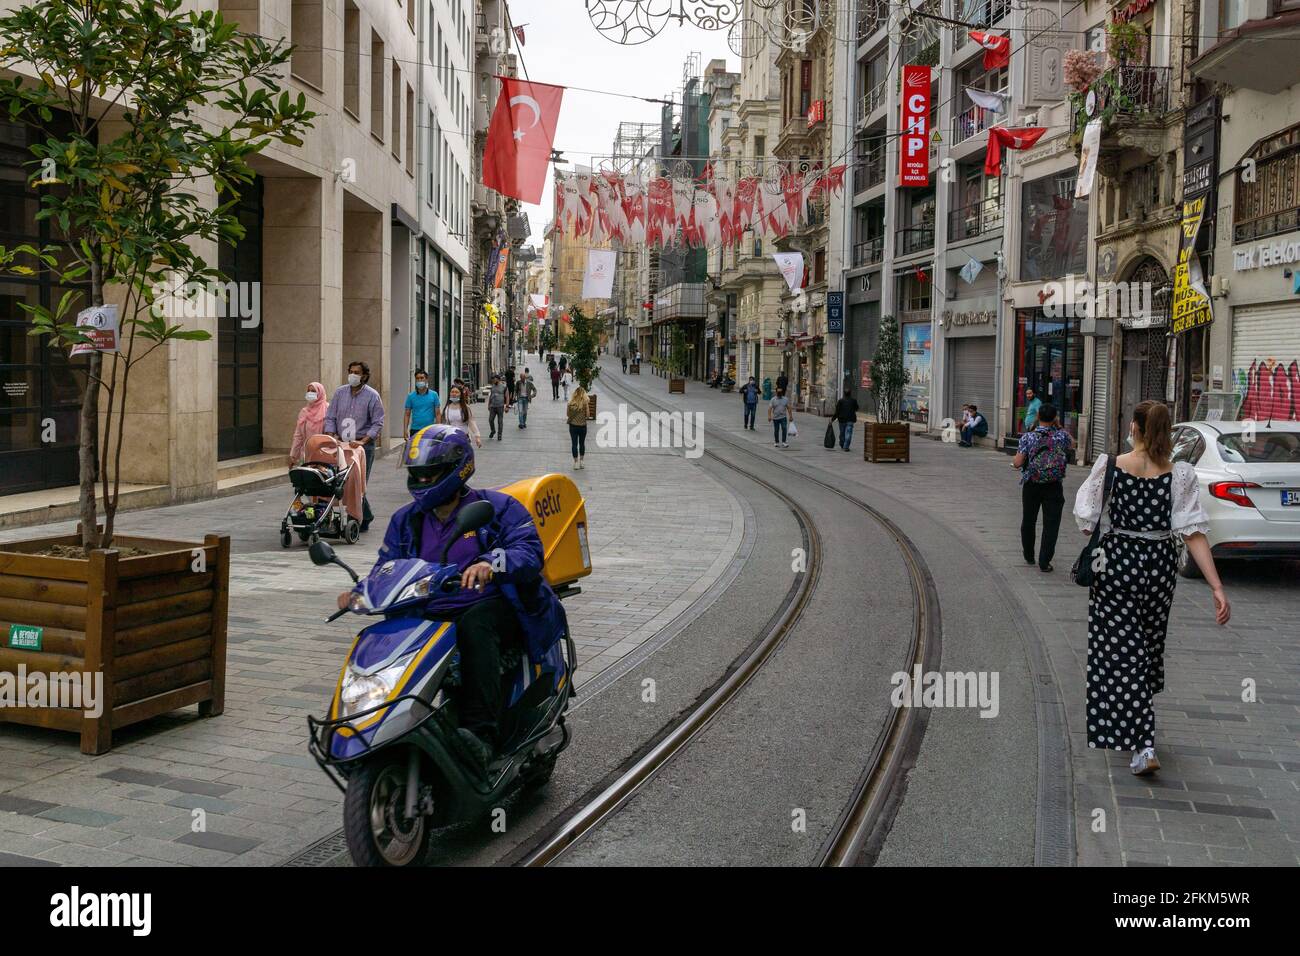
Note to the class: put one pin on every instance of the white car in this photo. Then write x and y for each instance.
(1249, 473)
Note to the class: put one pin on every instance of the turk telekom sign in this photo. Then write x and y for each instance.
(914, 164)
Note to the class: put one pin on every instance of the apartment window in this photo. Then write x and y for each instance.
(306, 31)
(376, 86)
(432, 47)
(431, 159)
(410, 130)
(1271, 204)
(1232, 13)
(410, 14)
(352, 59)
(1054, 229)
(396, 94)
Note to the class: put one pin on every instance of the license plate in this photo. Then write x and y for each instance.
(1291, 497)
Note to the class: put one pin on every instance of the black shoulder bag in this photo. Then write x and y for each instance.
(1081, 573)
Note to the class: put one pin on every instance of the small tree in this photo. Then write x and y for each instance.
(136, 103)
(546, 338)
(581, 346)
(677, 352)
(888, 376)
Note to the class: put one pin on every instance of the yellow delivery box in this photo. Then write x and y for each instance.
(560, 513)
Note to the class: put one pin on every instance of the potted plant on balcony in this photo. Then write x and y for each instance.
(582, 345)
(1125, 41)
(132, 101)
(678, 356)
(887, 438)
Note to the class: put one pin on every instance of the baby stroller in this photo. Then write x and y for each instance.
(328, 488)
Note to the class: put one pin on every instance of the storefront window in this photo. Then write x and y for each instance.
(1049, 359)
(1054, 229)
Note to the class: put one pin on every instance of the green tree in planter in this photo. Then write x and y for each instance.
(888, 376)
(137, 105)
(546, 338)
(678, 354)
(581, 345)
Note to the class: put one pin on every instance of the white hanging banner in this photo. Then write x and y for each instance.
(1088, 159)
(985, 99)
(791, 266)
(598, 280)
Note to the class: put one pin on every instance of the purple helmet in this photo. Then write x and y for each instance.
(439, 460)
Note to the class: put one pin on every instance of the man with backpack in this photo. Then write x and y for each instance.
(1042, 456)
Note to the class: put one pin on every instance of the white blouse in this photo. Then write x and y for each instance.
(452, 416)
(1188, 515)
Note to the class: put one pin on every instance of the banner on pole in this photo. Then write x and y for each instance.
(598, 280)
(791, 266)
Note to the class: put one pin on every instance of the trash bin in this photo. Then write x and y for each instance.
(767, 389)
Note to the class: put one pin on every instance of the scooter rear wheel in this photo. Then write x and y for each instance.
(377, 832)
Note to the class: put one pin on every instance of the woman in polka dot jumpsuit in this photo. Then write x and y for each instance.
(1152, 503)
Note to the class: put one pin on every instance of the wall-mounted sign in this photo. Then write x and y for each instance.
(978, 317)
(914, 163)
(816, 113)
(835, 312)
(26, 637)
(99, 324)
(1262, 255)
(1191, 306)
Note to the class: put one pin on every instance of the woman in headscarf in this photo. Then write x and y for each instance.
(311, 420)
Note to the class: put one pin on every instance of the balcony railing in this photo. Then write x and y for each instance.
(915, 239)
(1142, 89)
(871, 17)
(869, 171)
(871, 101)
(868, 252)
(972, 121)
(980, 14)
(1273, 224)
(977, 219)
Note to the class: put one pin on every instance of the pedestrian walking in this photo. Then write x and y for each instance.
(496, 409)
(1042, 457)
(356, 413)
(622, 355)
(783, 382)
(576, 415)
(311, 421)
(780, 414)
(565, 380)
(510, 386)
(1149, 507)
(421, 406)
(458, 415)
(749, 397)
(527, 392)
(555, 382)
(564, 363)
(846, 414)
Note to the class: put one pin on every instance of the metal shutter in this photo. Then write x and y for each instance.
(1099, 417)
(971, 366)
(1261, 333)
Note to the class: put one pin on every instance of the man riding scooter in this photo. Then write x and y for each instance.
(503, 596)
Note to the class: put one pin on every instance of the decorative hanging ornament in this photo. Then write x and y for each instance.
(632, 22)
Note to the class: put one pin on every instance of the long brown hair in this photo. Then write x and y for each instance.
(1151, 419)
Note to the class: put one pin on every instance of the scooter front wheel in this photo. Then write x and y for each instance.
(374, 817)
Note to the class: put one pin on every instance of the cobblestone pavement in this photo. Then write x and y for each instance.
(658, 542)
(1227, 793)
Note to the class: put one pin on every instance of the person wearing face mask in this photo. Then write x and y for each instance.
(311, 421)
(458, 415)
(1151, 508)
(421, 405)
(356, 413)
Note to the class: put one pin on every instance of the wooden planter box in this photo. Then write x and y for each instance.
(677, 385)
(591, 406)
(151, 624)
(891, 442)
(634, 369)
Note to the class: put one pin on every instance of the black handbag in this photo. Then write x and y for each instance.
(829, 441)
(1081, 573)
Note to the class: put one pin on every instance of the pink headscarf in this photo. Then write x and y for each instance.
(310, 420)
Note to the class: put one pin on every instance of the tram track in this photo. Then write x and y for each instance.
(864, 822)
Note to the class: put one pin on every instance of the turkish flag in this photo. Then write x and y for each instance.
(518, 149)
(1000, 136)
(997, 50)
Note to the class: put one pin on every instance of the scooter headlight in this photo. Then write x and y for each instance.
(361, 692)
(417, 589)
(358, 604)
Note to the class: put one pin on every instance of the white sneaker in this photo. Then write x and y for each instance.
(1144, 762)
(581, 463)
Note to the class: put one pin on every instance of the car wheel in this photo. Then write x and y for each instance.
(1187, 566)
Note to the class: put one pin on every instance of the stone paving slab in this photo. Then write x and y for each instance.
(241, 789)
(1229, 788)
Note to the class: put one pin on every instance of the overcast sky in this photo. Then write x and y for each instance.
(563, 47)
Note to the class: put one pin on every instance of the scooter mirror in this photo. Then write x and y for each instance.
(321, 553)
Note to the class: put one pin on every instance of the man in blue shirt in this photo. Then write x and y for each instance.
(421, 405)
(749, 395)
